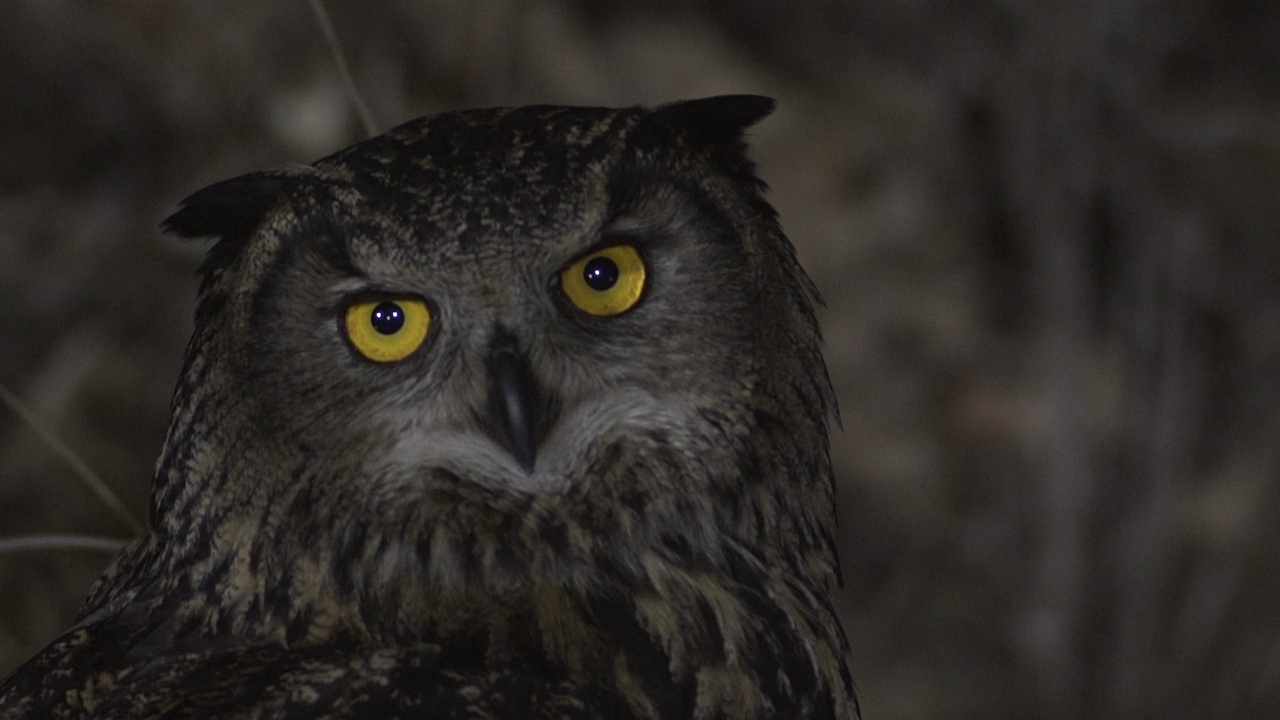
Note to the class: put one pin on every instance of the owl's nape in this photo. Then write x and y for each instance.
(504, 413)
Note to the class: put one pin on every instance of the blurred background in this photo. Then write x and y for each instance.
(1048, 235)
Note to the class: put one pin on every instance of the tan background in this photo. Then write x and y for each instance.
(1049, 240)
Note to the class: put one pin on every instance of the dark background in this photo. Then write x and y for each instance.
(1049, 239)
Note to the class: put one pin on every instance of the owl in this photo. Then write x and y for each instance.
(505, 413)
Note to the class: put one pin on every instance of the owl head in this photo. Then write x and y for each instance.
(496, 348)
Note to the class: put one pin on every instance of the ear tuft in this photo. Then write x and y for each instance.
(230, 207)
(231, 210)
(715, 120)
(716, 125)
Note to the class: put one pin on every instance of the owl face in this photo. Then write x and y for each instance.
(542, 322)
(516, 319)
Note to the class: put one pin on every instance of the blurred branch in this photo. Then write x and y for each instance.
(1166, 402)
(1052, 155)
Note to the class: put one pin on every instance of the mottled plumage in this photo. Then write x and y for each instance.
(539, 512)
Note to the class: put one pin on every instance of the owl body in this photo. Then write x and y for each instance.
(504, 413)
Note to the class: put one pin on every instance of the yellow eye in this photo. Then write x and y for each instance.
(387, 328)
(608, 281)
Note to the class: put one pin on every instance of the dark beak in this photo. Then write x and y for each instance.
(514, 405)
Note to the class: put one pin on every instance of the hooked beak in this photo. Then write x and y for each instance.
(513, 404)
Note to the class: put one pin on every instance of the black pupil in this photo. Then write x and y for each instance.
(387, 318)
(601, 273)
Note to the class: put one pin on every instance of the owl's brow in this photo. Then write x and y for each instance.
(627, 224)
(350, 285)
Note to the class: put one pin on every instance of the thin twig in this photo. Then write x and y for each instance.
(92, 543)
(82, 471)
(366, 117)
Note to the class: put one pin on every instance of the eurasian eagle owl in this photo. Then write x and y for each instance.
(510, 413)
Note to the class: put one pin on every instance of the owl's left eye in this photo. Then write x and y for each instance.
(608, 281)
(387, 328)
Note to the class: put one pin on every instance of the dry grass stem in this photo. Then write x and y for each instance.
(91, 543)
(82, 471)
(331, 37)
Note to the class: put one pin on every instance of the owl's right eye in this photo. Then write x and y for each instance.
(387, 328)
(608, 281)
